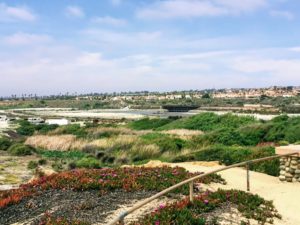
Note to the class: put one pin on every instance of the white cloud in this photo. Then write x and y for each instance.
(26, 39)
(295, 49)
(108, 20)
(105, 38)
(116, 2)
(66, 69)
(74, 11)
(285, 71)
(181, 9)
(15, 13)
(282, 14)
(238, 6)
(198, 8)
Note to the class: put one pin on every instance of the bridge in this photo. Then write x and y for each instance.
(180, 108)
(285, 157)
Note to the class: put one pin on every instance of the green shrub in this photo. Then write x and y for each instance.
(231, 155)
(276, 132)
(57, 166)
(164, 141)
(284, 128)
(283, 143)
(74, 129)
(90, 163)
(280, 119)
(42, 162)
(5, 144)
(253, 134)
(62, 154)
(20, 149)
(72, 165)
(27, 129)
(149, 124)
(122, 160)
(32, 165)
(99, 154)
(91, 149)
(45, 128)
(108, 159)
(210, 122)
(292, 133)
(143, 152)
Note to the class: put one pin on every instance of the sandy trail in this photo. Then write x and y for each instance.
(286, 196)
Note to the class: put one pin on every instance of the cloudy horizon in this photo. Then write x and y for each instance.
(157, 45)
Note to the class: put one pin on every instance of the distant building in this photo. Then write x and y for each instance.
(59, 122)
(36, 120)
(3, 118)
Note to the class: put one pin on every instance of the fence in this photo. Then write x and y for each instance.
(190, 181)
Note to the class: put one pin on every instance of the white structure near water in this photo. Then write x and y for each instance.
(59, 122)
(36, 120)
(3, 118)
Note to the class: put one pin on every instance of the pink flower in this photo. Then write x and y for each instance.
(162, 206)
(157, 223)
(206, 201)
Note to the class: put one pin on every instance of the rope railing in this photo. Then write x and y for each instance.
(190, 181)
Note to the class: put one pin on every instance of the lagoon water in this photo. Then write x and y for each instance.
(120, 113)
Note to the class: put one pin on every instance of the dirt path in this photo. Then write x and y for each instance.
(14, 171)
(286, 196)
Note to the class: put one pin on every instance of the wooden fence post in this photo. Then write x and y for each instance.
(191, 184)
(248, 177)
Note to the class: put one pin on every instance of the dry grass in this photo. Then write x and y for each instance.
(115, 131)
(183, 133)
(122, 142)
(145, 151)
(55, 142)
(70, 142)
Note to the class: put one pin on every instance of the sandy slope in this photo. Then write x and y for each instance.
(286, 196)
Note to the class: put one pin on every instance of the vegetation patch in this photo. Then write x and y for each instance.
(20, 149)
(5, 143)
(209, 122)
(74, 129)
(61, 155)
(229, 155)
(27, 129)
(149, 124)
(106, 180)
(184, 212)
(164, 141)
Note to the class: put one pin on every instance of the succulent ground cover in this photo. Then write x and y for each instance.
(200, 212)
(184, 212)
(105, 180)
(88, 189)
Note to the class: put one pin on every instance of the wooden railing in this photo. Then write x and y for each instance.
(190, 181)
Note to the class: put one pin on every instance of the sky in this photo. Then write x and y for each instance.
(84, 46)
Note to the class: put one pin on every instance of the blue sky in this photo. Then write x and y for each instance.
(48, 47)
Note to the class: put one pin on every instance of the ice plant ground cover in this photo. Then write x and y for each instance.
(105, 180)
(184, 212)
(200, 212)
